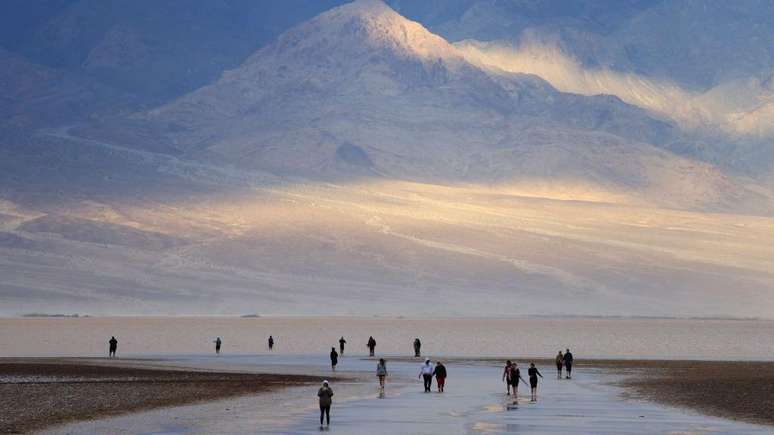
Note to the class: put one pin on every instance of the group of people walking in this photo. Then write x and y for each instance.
(512, 376)
(511, 373)
(427, 372)
(564, 361)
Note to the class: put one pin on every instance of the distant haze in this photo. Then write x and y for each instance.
(305, 157)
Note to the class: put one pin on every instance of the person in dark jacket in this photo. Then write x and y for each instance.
(112, 347)
(334, 358)
(342, 342)
(568, 363)
(440, 375)
(271, 343)
(371, 345)
(325, 393)
(417, 348)
(533, 373)
(515, 378)
(559, 364)
(218, 343)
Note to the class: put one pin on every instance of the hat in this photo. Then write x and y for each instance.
(325, 382)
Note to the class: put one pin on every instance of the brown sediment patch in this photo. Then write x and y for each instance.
(34, 395)
(737, 390)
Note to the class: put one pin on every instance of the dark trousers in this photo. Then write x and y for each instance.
(428, 381)
(325, 411)
(416, 352)
(371, 350)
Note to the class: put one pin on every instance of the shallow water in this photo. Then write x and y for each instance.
(539, 337)
(474, 403)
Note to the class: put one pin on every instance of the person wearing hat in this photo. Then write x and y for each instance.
(427, 374)
(325, 393)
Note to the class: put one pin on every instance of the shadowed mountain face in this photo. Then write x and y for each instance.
(216, 159)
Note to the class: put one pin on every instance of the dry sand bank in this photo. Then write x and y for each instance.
(736, 390)
(36, 393)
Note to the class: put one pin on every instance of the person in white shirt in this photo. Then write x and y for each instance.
(427, 374)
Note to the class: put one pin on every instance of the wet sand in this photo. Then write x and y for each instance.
(736, 390)
(739, 390)
(37, 393)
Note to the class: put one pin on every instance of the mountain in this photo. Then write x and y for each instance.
(358, 157)
(362, 91)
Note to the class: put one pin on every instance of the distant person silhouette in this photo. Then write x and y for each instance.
(271, 342)
(381, 372)
(426, 373)
(334, 358)
(440, 375)
(559, 364)
(342, 342)
(218, 343)
(533, 380)
(371, 345)
(417, 348)
(568, 359)
(325, 393)
(112, 347)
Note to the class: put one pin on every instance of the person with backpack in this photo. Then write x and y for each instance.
(533, 373)
(325, 395)
(381, 372)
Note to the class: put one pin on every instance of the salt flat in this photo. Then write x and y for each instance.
(474, 402)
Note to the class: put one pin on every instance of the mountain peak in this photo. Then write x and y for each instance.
(376, 24)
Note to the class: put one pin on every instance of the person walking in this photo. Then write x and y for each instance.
(568, 358)
(112, 347)
(334, 358)
(515, 378)
(559, 364)
(271, 343)
(533, 373)
(508, 373)
(371, 345)
(440, 375)
(381, 372)
(342, 342)
(325, 393)
(417, 348)
(218, 343)
(426, 372)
